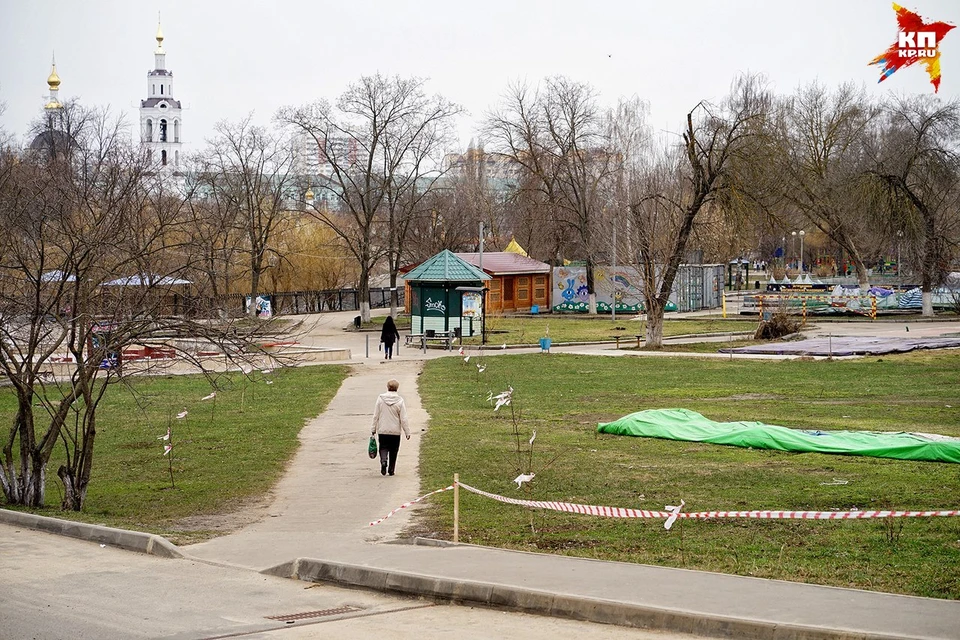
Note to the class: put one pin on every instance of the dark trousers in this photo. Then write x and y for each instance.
(388, 350)
(389, 447)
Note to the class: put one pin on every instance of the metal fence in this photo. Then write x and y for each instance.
(698, 286)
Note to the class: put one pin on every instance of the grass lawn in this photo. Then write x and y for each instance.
(225, 452)
(564, 328)
(563, 397)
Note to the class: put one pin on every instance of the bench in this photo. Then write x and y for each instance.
(638, 337)
(422, 339)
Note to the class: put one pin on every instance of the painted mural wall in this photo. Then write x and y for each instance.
(696, 287)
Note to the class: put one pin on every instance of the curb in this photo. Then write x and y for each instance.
(130, 540)
(557, 605)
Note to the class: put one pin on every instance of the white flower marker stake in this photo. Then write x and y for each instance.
(674, 513)
(524, 477)
(213, 405)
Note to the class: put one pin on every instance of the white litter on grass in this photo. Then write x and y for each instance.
(836, 482)
(210, 396)
(182, 414)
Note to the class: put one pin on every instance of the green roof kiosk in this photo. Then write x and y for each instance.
(436, 304)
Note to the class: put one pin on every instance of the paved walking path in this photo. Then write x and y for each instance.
(332, 489)
(318, 528)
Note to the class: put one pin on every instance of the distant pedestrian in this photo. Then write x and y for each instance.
(389, 335)
(389, 417)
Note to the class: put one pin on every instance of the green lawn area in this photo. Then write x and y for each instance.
(225, 452)
(562, 329)
(563, 397)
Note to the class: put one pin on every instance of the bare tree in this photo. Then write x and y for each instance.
(248, 175)
(376, 143)
(473, 188)
(917, 162)
(678, 185)
(557, 134)
(820, 137)
(88, 266)
(213, 239)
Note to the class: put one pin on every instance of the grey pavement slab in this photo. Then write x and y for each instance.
(56, 588)
(678, 600)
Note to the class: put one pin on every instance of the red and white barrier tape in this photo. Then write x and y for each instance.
(407, 504)
(618, 512)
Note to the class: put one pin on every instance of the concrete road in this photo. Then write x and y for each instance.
(56, 588)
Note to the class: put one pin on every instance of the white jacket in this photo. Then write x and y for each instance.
(390, 415)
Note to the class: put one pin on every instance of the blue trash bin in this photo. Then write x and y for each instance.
(545, 345)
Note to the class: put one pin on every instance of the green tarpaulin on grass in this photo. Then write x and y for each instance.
(683, 424)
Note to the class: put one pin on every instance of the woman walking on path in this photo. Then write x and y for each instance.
(389, 417)
(389, 335)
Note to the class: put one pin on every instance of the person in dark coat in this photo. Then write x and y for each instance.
(389, 335)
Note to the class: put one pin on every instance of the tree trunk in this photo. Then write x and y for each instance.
(927, 311)
(364, 293)
(863, 279)
(926, 291)
(27, 489)
(254, 291)
(591, 288)
(654, 324)
(73, 492)
(394, 302)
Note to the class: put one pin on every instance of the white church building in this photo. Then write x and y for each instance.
(160, 114)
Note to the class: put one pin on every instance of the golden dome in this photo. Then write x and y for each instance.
(53, 81)
(308, 195)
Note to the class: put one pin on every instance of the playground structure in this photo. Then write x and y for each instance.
(817, 299)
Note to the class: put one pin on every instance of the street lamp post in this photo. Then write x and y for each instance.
(899, 268)
(802, 233)
(793, 241)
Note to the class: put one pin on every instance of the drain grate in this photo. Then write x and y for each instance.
(314, 614)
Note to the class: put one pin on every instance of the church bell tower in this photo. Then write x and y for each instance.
(160, 114)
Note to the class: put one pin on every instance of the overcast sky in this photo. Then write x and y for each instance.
(230, 58)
